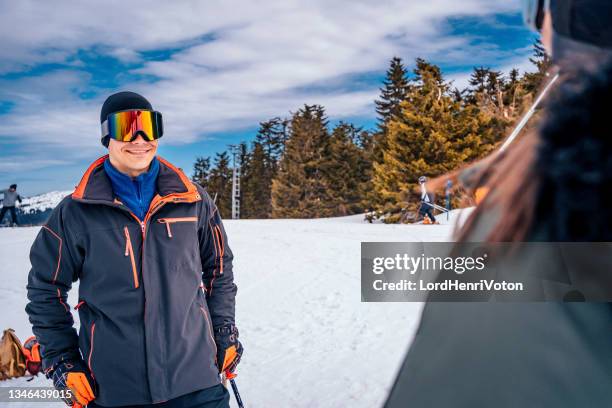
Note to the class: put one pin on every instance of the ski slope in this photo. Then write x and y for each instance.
(42, 202)
(309, 341)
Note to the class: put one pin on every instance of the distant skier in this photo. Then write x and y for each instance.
(427, 199)
(8, 204)
(156, 286)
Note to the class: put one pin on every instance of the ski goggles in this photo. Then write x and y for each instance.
(533, 13)
(125, 126)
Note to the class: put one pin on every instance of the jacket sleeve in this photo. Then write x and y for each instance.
(217, 273)
(56, 263)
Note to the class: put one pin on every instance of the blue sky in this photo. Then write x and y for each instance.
(215, 69)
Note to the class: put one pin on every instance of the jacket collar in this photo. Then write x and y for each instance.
(172, 184)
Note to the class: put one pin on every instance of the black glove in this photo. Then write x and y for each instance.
(229, 349)
(74, 376)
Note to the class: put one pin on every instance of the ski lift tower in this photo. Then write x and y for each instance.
(235, 149)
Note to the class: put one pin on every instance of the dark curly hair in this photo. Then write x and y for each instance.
(574, 158)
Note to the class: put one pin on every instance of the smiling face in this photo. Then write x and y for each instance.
(132, 158)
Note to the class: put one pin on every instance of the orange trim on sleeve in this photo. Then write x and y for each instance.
(214, 239)
(91, 347)
(59, 257)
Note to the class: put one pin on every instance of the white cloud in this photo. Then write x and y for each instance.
(18, 164)
(239, 62)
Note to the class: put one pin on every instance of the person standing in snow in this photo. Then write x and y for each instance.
(156, 288)
(426, 209)
(8, 204)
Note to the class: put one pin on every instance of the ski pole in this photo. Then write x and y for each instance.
(236, 393)
(437, 207)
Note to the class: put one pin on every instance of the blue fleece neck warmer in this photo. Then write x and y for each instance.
(136, 193)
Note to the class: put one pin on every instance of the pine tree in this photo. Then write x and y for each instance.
(478, 80)
(540, 58)
(513, 92)
(256, 185)
(299, 188)
(201, 171)
(494, 89)
(271, 136)
(393, 93)
(220, 184)
(533, 80)
(477, 92)
(244, 157)
(347, 168)
(431, 136)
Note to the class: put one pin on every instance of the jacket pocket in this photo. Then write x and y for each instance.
(209, 327)
(129, 251)
(170, 221)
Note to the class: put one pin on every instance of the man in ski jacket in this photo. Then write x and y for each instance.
(8, 204)
(156, 289)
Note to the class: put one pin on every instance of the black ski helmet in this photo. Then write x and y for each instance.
(122, 101)
(13, 186)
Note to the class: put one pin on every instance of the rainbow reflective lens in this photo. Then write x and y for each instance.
(125, 126)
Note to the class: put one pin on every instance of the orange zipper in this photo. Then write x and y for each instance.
(157, 203)
(219, 236)
(169, 221)
(129, 251)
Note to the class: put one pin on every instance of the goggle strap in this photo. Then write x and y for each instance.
(105, 131)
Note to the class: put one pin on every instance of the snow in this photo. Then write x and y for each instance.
(43, 201)
(309, 340)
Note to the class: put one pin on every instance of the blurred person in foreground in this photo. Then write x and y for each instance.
(551, 186)
(574, 33)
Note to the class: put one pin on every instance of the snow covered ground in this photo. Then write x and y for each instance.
(309, 340)
(42, 202)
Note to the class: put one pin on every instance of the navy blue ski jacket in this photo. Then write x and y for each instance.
(151, 292)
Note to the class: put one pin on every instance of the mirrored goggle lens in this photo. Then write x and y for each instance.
(125, 126)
